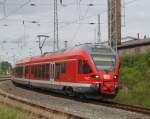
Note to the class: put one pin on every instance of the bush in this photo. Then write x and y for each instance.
(135, 71)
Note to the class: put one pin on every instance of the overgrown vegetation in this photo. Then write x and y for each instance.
(7, 112)
(5, 68)
(135, 76)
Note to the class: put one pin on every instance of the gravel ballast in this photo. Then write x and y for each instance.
(68, 105)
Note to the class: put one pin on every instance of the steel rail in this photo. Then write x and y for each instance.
(5, 78)
(126, 107)
(112, 104)
(38, 106)
(137, 109)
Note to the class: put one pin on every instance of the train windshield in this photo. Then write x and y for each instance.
(104, 59)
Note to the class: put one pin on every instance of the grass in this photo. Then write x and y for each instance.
(135, 78)
(7, 112)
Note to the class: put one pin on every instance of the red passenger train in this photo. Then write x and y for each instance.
(83, 69)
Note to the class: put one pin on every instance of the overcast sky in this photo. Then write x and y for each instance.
(19, 40)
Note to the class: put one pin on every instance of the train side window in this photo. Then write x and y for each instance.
(19, 72)
(33, 71)
(57, 71)
(86, 68)
(43, 70)
(36, 71)
(26, 69)
(39, 71)
(63, 68)
(47, 67)
(47, 71)
(52, 71)
(79, 67)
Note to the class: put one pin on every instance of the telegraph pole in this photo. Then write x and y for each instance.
(114, 22)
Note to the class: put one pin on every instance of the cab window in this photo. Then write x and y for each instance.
(83, 67)
(86, 68)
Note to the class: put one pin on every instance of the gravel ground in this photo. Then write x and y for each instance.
(75, 107)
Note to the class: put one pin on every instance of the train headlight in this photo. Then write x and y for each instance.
(115, 77)
(95, 76)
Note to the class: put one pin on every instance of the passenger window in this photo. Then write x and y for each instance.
(32, 70)
(43, 70)
(19, 72)
(57, 71)
(39, 71)
(35, 71)
(63, 68)
(47, 71)
(26, 70)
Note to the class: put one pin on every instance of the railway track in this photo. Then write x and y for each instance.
(136, 109)
(39, 107)
(111, 104)
(5, 78)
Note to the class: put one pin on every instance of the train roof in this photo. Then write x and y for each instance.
(73, 51)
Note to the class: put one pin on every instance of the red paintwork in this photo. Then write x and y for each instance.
(107, 86)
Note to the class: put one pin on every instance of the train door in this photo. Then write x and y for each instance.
(52, 71)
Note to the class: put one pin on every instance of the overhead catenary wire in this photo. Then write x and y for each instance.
(79, 26)
(16, 10)
(82, 18)
(75, 21)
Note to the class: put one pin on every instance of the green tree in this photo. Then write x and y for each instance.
(5, 67)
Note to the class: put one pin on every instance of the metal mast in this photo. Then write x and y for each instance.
(66, 44)
(56, 41)
(99, 31)
(4, 7)
(114, 22)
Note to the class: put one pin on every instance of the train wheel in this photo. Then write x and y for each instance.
(82, 96)
(64, 91)
(69, 91)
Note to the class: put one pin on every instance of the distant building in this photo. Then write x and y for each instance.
(132, 45)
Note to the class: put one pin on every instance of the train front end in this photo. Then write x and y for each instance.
(106, 62)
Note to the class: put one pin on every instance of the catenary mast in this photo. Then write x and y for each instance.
(114, 22)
